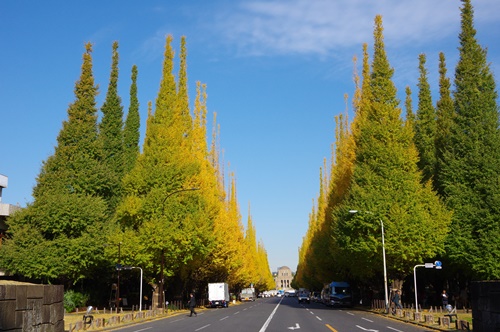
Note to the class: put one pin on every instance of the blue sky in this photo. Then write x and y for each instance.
(276, 74)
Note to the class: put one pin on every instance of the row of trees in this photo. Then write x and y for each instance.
(432, 178)
(99, 200)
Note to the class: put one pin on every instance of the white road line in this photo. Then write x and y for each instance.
(369, 330)
(201, 328)
(350, 313)
(224, 318)
(392, 328)
(147, 328)
(368, 320)
(312, 313)
(266, 324)
(318, 318)
(237, 312)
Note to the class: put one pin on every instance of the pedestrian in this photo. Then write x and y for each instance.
(192, 305)
(397, 300)
(444, 298)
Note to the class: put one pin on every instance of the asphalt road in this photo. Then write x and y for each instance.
(277, 315)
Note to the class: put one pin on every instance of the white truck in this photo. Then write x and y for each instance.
(304, 295)
(218, 294)
(247, 294)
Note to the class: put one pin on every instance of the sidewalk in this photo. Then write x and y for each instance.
(108, 321)
(433, 320)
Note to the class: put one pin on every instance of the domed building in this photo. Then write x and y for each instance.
(283, 278)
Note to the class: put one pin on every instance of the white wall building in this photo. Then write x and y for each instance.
(5, 210)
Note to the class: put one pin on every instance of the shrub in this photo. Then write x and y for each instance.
(73, 300)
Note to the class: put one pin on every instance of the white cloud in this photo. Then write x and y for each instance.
(324, 26)
(153, 47)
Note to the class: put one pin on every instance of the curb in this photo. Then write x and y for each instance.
(435, 328)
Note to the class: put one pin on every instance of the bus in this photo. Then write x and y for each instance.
(337, 294)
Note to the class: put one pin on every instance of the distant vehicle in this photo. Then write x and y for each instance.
(265, 294)
(218, 294)
(337, 293)
(280, 293)
(247, 294)
(316, 296)
(304, 295)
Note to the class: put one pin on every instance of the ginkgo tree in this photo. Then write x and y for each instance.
(386, 185)
(59, 236)
(469, 165)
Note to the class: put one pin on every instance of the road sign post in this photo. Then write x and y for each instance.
(436, 265)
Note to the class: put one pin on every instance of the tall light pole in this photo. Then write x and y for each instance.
(117, 298)
(140, 285)
(140, 289)
(383, 256)
(436, 265)
(162, 299)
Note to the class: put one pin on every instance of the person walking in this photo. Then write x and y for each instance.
(444, 297)
(397, 301)
(192, 305)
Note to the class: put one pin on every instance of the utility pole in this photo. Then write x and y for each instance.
(161, 288)
(162, 281)
(383, 257)
(117, 299)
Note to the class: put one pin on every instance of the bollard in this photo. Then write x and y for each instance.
(444, 321)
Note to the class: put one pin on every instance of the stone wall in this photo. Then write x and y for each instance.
(485, 296)
(31, 307)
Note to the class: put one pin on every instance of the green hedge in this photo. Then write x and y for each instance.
(73, 300)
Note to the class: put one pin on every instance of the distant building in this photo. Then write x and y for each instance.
(5, 209)
(283, 278)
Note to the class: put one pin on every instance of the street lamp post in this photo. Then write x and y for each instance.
(161, 291)
(385, 268)
(436, 265)
(140, 288)
(383, 256)
(117, 297)
(140, 285)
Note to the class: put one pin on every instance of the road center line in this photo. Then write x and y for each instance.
(266, 324)
(318, 318)
(331, 328)
(224, 318)
(201, 328)
(367, 319)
